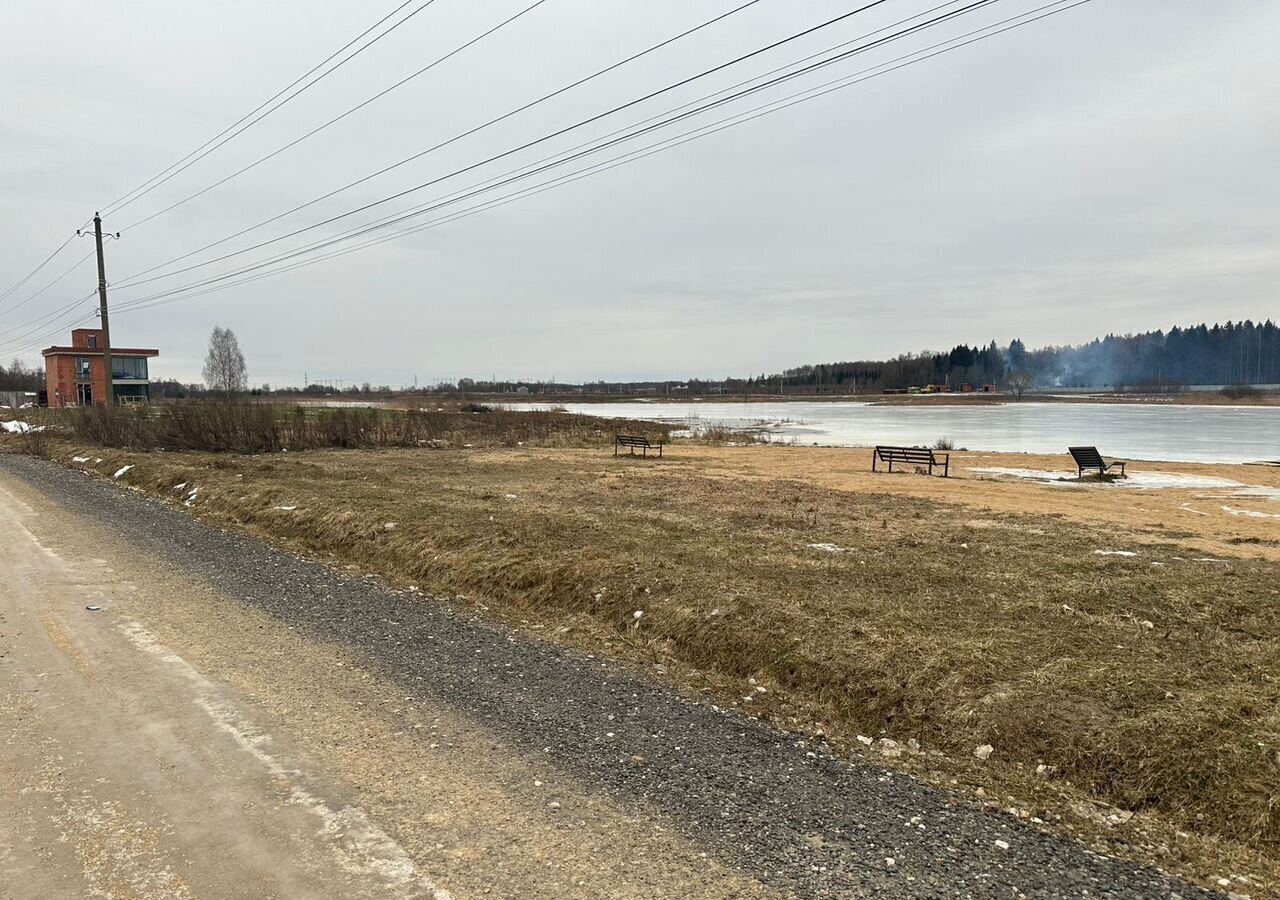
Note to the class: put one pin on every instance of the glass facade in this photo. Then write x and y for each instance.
(83, 372)
(129, 367)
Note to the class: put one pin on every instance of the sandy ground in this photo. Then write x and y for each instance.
(172, 743)
(1196, 505)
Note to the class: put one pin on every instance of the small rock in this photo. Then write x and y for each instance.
(984, 751)
(93, 608)
(553, 805)
(637, 614)
(865, 741)
(890, 862)
(1003, 845)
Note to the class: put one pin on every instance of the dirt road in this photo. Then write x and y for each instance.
(189, 713)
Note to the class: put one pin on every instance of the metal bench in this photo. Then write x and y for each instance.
(1090, 458)
(919, 456)
(634, 442)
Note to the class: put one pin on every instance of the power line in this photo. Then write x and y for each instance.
(497, 119)
(230, 132)
(77, 264)
(776, 105)
(544, 164)
(133, 281)
(392, 218)
(21, 342)
(339, 118)
(539, 168)
(48, 259)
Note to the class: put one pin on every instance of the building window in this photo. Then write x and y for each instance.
(93, 342)
(131, 367)
(83, 371)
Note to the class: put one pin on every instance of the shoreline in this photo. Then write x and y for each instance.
(1189, 398)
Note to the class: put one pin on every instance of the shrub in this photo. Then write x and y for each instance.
(1239, 391)
(247, 427)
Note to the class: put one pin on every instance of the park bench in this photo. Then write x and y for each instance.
(635, 442)
(919, 456)
(1090, 458)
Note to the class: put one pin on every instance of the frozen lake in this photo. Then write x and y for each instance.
(1179, 433)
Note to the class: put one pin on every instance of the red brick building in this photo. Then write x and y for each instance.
(77, 375)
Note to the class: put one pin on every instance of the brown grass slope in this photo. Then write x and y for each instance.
(1150, 688)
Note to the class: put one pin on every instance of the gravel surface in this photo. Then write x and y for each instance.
(761, 800)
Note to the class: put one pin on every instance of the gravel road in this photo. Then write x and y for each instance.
(782, 814)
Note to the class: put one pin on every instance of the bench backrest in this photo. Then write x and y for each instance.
(1087, 457)
(906, 454)
(632, 440)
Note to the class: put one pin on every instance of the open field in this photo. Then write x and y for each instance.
(1132, 699)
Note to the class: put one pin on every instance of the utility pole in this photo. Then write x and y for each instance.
(102, 309)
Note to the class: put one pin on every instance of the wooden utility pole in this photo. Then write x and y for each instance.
(102, 310)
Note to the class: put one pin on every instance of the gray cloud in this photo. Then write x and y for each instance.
(1106, 169)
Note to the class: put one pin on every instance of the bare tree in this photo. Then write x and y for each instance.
(224, 368)
(1019, 382)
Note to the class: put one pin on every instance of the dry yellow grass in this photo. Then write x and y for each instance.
(949, 613)
(1193, 516)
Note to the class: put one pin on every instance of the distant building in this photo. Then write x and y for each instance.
(77, 376)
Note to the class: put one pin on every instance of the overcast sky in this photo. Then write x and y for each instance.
(1111, 168)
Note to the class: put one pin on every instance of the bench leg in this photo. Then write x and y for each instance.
(873, 461)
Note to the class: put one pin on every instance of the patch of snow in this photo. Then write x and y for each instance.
(1252, 513)
(122, 470)
(1187, 507)
(1174, 480)
(20, 427)
(1139, 480)
(1115, 553)
(1036, 474)
(285, 508)
(827, 548)
(79, 459)
(179, 487)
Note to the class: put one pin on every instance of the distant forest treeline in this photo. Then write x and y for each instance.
(19, 377)
(1237, 353)
(1234, 353)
